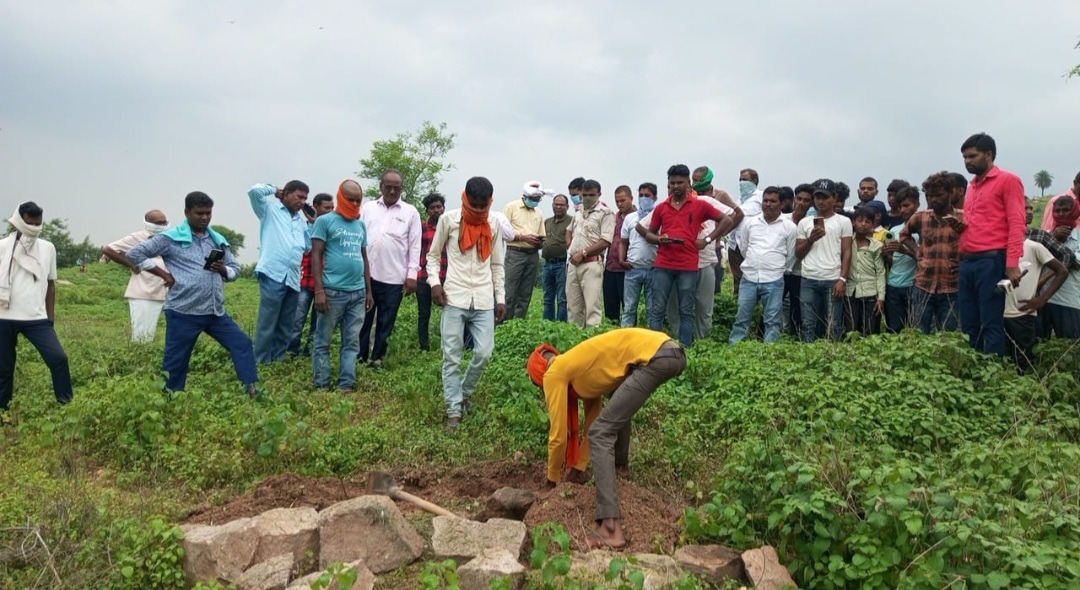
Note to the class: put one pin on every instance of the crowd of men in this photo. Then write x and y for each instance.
(816, 265)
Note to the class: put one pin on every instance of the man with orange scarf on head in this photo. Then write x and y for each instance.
(473, 294)
(343, 288)
(629, 364)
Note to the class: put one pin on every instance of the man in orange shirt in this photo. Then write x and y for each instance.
(629, 364)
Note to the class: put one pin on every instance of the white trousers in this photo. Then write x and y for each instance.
(144, 319)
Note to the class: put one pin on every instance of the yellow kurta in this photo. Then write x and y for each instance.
(594, 368)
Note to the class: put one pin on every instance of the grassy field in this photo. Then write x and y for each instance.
(883, 462)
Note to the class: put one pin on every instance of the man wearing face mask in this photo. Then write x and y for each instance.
(589, 234)
(750, 204)
(27, 304)
(574, 189)
(145, 291)
(522, 258)
(637, 254)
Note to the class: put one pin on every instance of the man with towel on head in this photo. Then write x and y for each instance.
(27, 304)
(522, 254)
(629, 364)
(145, 292)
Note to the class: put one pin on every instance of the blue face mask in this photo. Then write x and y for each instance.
(746, 189)
(576, 199)
(645, 205)
(532, 203)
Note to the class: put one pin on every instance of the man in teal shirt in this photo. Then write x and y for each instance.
(343, 288)
(902, 264)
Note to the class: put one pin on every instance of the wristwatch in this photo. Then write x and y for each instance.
(708, 239)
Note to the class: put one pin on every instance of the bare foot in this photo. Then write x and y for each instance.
(608, 534)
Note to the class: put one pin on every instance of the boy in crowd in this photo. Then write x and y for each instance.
(901, 264)
(1023, 303)
(893, 216)
(866, 293)
(823, 244)
(937, 274)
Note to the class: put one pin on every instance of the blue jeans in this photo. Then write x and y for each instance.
(897, 308)
(346, 309)
(685, 284)
(481, 325)
(636, 280)
(277, 315)
(555, 290)
(772, 302)
(181, 332)
(387, 301)
(42, 335)
(821, 312)
(303, 307)
(934, 311)
(981, 307)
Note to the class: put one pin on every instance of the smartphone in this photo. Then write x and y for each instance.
(215, 255)
(309, 210)
(819, 222)
(677, 241)
(889, 236)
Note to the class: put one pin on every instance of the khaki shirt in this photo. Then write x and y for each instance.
(524, 221)
(590, 226)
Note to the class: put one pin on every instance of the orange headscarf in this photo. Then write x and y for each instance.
(345, 207)
(1070, 218)
(475, 230)
(537, 367)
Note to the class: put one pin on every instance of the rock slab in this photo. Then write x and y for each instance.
(272, 574)
(714, 563)
(509, 503)
(369, 529)
(764, 571)
(461, 540)
(365, 580)
(491, 565)
(660, 571)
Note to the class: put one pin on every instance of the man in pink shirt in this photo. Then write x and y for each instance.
(1048, 213)
(991, 244)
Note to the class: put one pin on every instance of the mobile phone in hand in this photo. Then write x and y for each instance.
(819, 222)
(309, 210)
(677, 240)
(215, 255)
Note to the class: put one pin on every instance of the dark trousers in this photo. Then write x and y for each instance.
(305, 313)
(933, 311)
(181, 332)
(792, 284)
(1059, 320)
(1020, 340)
(613, 294)
(863, 318)
(423, 313)
(897, 308)
(521, 267)
(383, 315)
(982, 308)
(42, 335)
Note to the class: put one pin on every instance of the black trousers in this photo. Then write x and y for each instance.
(1020, 340)
(613, 294)
(42, 335)
(383, 316)
(861, 315)
(423, 314)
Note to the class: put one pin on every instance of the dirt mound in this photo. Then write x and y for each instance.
(650, 523)
(286, 490)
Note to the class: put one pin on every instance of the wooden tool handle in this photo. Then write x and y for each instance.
(432, 508)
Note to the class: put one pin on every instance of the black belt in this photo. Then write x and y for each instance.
(980, 255)
(670, 350)
(555, 260)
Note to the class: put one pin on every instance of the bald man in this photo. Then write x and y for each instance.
(145, 292)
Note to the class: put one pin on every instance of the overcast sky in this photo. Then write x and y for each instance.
(110, 108)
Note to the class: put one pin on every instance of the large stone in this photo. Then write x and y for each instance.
(461, 539)
(510, 503)
(219, 553)
(272, 574)
(369, 529)
(660, 570)
(365, 580)
(288, 530)
(714, 563)
(763, 569)
(491, 565)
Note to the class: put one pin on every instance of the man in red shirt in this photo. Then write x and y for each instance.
(674, 228)
(323, 204)
(434, 206)
(991, 244)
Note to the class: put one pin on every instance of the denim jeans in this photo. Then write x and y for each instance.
(933, 311)
(555, 290)
(897, 308)
(981, 307)
(821, 312)
(636, 281)
(181, 332)
(277, 315)
(304, 309)
(772, 300)
(42, 335)
(481, 325)
(387, 301)
(346, 309)
(685, 284)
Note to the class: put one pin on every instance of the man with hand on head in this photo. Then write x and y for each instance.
(145, 292)
(522, 260)
(628, 365)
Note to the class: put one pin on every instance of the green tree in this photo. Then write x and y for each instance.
(1075, 72)
(1043, 179)
(235, 238)
(420, 156)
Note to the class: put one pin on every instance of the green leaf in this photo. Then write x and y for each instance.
(997, 580)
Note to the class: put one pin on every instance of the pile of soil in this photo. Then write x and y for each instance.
(286, 490)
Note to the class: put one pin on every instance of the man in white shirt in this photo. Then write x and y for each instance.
(750, 204)
(769, 252)
(823, 244)
(145, 291)
(394, 254)
(638, 254)
(1023, 303)
(473, 295)
(27, 304)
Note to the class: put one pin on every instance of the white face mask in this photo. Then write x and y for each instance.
(154, 228)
